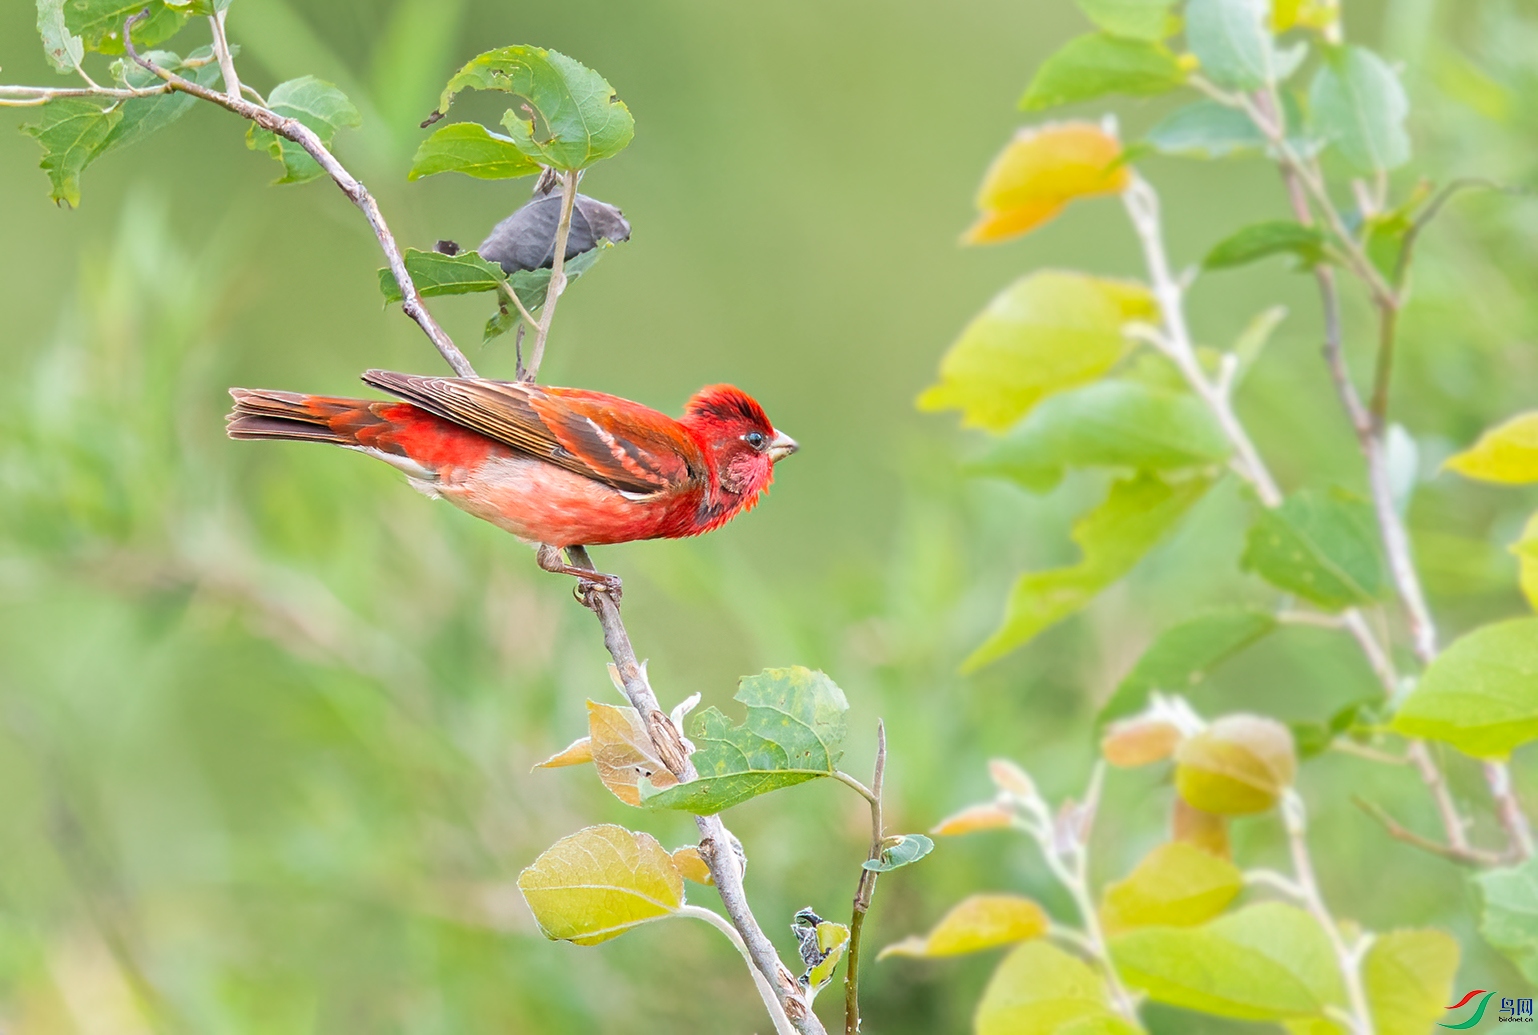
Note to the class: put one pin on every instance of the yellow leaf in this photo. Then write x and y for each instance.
(832, 941)
(691, 864)
(1045, 333)
(1526, 550)
(623, 752)
(1040, 171)
(1041, 990)
(972, 819)
(974, 924)
(1140, 742)
(599, 883)
(1237, 766)
(1507, 454)
(1409, 979)
(578, 752)
(1176, 884)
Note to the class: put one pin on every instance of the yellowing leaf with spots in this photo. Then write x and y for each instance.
(623, 752)
(1507, 454)
(976, 923)
(1039, 172)
(599, 883)
(1047, 332)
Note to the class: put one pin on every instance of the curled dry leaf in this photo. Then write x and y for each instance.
(972, 819)
(623, 752)
(691, 864)
(1140, 742)
(578, 752)
(976, 923)
(1239, 765)
(1039, 172)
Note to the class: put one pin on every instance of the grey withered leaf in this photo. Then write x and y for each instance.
(525, 240)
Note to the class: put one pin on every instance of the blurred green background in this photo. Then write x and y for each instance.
(267, 716)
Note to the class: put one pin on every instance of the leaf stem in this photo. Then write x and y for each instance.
(222, 51)
(557, 275)
(714, 919)
(865, 889)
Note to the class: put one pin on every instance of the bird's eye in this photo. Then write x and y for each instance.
(756, 439)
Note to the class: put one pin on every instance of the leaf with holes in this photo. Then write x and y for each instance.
(472, 149)
(794, 732)
(63, 48)
(99, 23)
(599, 883)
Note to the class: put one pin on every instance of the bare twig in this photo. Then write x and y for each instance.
(557, 276)
(222, 52)
(864, 889)
(715, 841)
(1463, 855)
(37, 96)
(299, 133)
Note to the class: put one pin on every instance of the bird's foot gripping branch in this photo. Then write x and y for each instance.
(561, 468)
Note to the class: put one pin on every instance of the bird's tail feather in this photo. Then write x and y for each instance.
(265, 414)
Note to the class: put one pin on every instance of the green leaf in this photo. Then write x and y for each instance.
(1508, 914)
(99, 23)
(1149, 20)
(1107, 424)
(1041, 990)
(63, 49)
(1047, 332)
(1206, 129)
(1238, 766)
(145, 115)
(1137, 514)
(974, 924)
(1358, 103)
(1408, 978)
(1231, 40)
(531, 286)
(1481, 694)
(1322, 546)
(1507, 454)
(564, 115)
(1260, 240)
(1176, 885)
(599, 883)
(1266, 962)
(71, 130)
(317, 104)
(1099, 64)
(472, 149)
(437, 274)
(1183, 655)
(898, 851)
(794, 732)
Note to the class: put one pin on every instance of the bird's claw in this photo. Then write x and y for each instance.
(590, 583)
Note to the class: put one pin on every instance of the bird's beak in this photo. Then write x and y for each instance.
(781, 446)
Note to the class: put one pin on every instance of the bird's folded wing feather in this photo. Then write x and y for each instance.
(614, 441)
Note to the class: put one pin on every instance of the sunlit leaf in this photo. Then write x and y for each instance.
(691, 864)
(321, 107)
(1100, 64)
(1266, 962)
(472, 149)
(1526, 550)
(1507, 453)
(1508, 914)
(832, 942)
(1137, 514)
(63, 49)
(974, 924)
(794, 732)
(1107, 424)
(1358, 104)
(974, 818)
(1048, 332)
(578, 752)
(599, 883)
(1183, 655)
(900, 850)
(1041, 990)
(1481, 694)
(1322, 546)
(623, 753)
(1408, 978)
(437, 274)
(1139, 742)
(1303, 14)
(1260, 240)
(70, 131)
(1135, 19)
(1231, 40)
(1176, 885)
(99, 23)
(564, 114)
(1039, 172)
(1239, 765)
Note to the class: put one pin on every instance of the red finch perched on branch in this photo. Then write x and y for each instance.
(558, 467)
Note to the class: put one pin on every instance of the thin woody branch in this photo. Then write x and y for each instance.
(557, 275)
(865, 889)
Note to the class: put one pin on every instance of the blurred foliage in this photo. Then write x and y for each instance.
(267, 718)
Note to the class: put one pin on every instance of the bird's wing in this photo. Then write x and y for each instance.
(620, 443)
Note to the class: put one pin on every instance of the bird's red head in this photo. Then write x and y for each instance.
(740, 443)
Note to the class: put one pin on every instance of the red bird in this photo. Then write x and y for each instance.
(557, 467)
